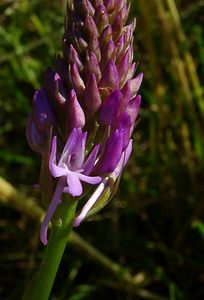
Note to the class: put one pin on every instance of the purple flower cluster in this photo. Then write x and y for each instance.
(82, 120)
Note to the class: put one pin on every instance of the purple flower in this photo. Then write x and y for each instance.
(88, 107)
(71, 169)
(39, 121)
(111, 154)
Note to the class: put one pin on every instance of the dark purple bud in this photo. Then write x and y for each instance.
(119, 5)
(87, 8)
(35, 138)
(91, 28)
(97, 3)
(124, 126)
(128, 31)
(62, 70)
(110, 108)
(126, 91)
(130, 73)
(101, 18)
(95, 47)
(117, 27)
(82, 44)
(124, 64)
(43, 112)
(55, 87)
(125, 12)
(79, 43)
(120, 46)
(92, 96)
(108, 54)
(135, 84)
(92, 65)
(133, 108)
(112, 153)
(122, 10)
(105, 37)
(75, 112)
(77, 81)
(110, 77)
(110, 5)
(74, 58)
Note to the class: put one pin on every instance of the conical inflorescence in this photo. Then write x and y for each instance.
(83, 118)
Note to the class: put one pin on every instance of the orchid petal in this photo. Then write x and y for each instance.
(128, 152)
(54, 169)
(58, 171)
(123, 160)
(90, 179)
(74, 184)
(119, 167)
(51, 209)
(69, 145)
(133, 108)
(110, 108)
(53, 153)
(110, 76)
(124, 126)
(43, 111)
(135, 84)
(90, 203)
(112, 154)
(78, 151)
(36, 139)
(89, 163)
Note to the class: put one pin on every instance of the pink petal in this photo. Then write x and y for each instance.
(54, 169)
(58, 171)
(90, 179)
(128, 152)
(74, 184)
(89, 163)
(78, 151)
(69, 145)
(124, 159)
(135, 84)
(51, 209)
(53, 153)
(90, 203)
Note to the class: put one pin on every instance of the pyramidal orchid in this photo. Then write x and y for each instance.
(81, 124)
(83, 118)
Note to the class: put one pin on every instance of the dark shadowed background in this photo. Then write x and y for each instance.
(154, 226)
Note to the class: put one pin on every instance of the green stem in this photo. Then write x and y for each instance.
(41, 285)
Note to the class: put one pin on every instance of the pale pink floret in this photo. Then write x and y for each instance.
(71, 170)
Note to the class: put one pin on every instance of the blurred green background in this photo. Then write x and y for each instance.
(154, 227)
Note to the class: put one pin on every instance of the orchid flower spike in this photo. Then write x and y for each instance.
(82, 120)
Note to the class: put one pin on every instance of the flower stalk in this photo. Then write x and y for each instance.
(42, 283)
